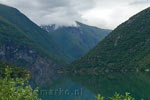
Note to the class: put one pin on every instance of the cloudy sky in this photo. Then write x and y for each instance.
(100, 13)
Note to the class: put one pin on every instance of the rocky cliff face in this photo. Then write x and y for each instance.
(43, 69)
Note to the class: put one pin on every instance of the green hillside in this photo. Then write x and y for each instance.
(33, 31)
(24, 48)
(126, 47)
(120, 62)
(56, 44)
(76, 41)
(10, 34)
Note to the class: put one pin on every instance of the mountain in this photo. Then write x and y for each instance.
(25, 44)
(33, 31)
(125, 47)
(120, 62)
(76, 40)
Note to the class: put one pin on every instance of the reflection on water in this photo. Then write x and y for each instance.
(66, 90)
(136, 83)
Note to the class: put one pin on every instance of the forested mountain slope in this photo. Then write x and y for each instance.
(120, 62)
(76, 40)
(21, 47)
(125, 47)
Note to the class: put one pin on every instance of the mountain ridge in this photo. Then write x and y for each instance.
(125, 40)
(31, 29)
(120, 62)
(76, 40)
(20, 49)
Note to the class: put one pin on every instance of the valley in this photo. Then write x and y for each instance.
(76, 62)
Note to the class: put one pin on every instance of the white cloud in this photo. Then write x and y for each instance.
(109, 14)
(101, 13)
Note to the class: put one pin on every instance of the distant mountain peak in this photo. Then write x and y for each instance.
(76, 40)
(56, 26)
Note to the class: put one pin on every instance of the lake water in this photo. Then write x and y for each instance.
(86, 87)
(66, 89)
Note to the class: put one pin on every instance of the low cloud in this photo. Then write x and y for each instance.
(100, 13)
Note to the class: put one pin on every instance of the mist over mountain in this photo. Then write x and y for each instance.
(77, 57)
(76, 40)
(25, 44)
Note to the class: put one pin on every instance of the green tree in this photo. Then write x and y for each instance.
(121, 97)
(117, 97)
(16, 88)
(99, 97)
